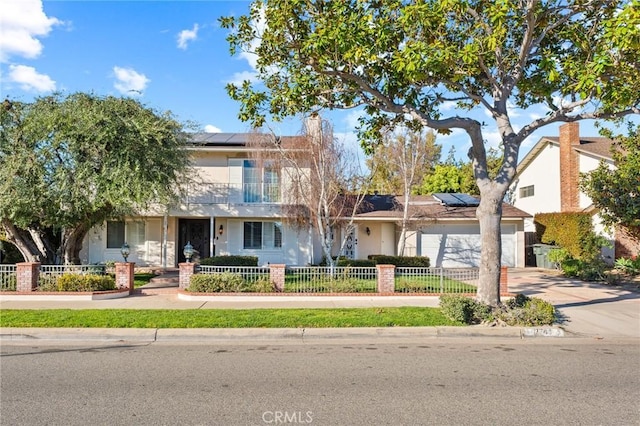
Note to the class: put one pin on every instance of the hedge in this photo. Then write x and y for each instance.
(230, 261)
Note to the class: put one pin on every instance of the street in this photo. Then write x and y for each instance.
(454, 381)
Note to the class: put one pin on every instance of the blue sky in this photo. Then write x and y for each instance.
(171, 55)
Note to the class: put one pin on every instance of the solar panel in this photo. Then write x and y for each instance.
(456, 199)
(468, 199)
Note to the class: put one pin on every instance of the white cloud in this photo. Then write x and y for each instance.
(239, 77)
(129, 81)
(185, 36)
(30, 80)
(21, 23)
(212, 129)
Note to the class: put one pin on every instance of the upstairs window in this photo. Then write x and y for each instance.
(260, 184)
(526, 191)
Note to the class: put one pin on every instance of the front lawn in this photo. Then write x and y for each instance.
(225, 318)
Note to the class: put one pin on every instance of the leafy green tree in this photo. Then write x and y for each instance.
(403, 61)
(616, 192)
(457, 176)
(70, 163)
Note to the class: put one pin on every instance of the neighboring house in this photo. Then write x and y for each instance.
(547, 178)
(233, 207)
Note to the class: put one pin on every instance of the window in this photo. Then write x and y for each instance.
(261, 185)
(116, 231)
(526, 191)
(262, 235)
(115, 234)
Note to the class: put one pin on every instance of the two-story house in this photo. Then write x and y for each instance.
(233, 206)
(548, 179)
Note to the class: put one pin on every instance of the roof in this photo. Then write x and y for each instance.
(424, 207)
(234, 139)
(596, 146)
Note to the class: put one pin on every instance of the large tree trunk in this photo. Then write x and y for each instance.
(72, 244)
(489, 214)
(31, 244)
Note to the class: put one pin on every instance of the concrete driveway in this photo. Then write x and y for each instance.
(585, 308)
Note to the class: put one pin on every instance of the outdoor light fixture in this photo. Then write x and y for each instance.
(188, 251)
(124, 250)
(368, 231)
(221, 230)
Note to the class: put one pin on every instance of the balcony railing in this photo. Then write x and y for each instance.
(229, 193)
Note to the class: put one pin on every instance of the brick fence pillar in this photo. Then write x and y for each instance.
(124, 275)
(186, 271)
(27, 274)
(386, 278)
(277, 273)
(504, 287)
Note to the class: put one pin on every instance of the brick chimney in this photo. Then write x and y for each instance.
(569, 167)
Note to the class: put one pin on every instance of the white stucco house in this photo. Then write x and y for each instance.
(548, 177)
(234, 207)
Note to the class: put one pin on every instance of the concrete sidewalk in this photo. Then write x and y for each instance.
(586, 309)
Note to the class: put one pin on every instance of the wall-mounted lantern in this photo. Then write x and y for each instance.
(221, 230)
(368, 231)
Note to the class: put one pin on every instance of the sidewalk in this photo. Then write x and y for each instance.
(586, 309)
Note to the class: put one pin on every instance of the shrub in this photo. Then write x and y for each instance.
(230, 261)
(525, 311)
(558, 255)
(216, 283)
(227, 282)
(356, 262)
(463, 309)
(570, 267)
(78, 282)
(401, 261)
(628, 265)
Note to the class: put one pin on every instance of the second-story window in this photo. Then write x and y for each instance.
(527, 191)
(261, 184)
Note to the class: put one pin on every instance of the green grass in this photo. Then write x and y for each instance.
(431, 284)
(142, 278)
(225, 318)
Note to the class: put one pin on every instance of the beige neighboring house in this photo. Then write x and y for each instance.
(234, 207)
(548, 177)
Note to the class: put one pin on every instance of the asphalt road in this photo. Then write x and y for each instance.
(435, 382)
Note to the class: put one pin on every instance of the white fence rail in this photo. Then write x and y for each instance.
(7, 277)
(324, 279)
(436, 280)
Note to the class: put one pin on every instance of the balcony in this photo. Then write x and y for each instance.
(228, 193)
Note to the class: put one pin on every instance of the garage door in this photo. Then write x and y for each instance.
(458, 246)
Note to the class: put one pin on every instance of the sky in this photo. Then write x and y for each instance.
(170, 55)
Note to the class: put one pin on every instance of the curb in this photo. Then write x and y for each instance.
(252, 335)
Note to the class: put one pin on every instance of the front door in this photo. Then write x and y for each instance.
(351, 243)
(196, 232)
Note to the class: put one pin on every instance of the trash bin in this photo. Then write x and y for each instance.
(541, 251)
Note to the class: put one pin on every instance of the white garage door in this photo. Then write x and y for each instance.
(458, 246)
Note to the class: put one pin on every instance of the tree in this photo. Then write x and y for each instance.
(398, 163)
(457, 176)
(323, 184)
(616, 192)
(406, 62)
(70, 163)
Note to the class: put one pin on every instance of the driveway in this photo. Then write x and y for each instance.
(585, 308)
